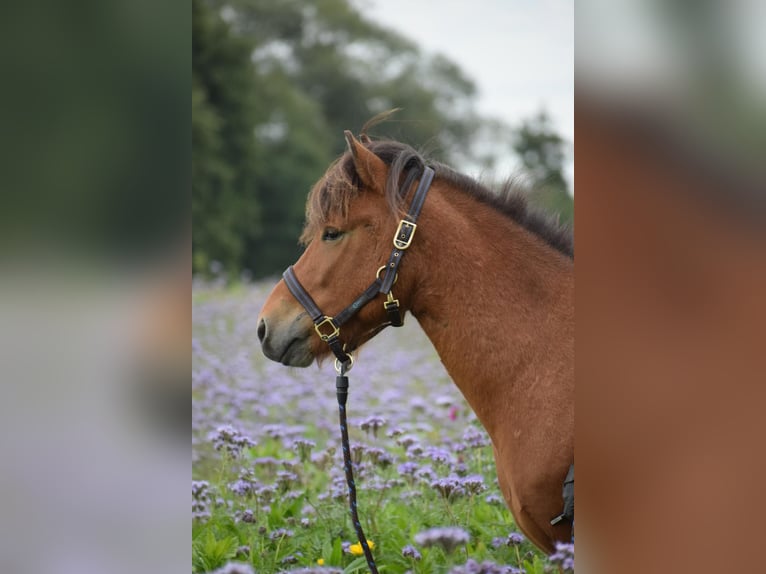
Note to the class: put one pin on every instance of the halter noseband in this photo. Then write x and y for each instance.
(328, 328)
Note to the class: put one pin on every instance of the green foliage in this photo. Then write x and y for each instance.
(543, 154)
(224, 201)
(209, 552)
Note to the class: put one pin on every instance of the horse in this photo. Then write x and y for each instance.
(491, 283)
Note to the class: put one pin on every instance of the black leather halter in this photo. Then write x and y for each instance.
(328, 328)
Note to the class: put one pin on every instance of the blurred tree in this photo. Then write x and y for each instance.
(275, 83)
(542, 153)
(225, 206)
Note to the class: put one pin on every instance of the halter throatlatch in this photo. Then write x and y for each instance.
(328, 328)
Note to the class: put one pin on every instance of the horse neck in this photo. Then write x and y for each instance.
(497, 304)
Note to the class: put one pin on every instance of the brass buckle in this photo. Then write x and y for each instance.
(326, 321)
(401, 241)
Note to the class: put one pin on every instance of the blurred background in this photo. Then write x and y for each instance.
(275, 83)
(670, 114)
(95, 241)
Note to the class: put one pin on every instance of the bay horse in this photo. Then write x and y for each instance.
(491, 283)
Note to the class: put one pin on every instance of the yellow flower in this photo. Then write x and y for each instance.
(356, 549)
(320, 561)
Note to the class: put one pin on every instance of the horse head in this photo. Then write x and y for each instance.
(350, 220)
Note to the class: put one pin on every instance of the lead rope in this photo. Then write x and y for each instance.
(341, 388)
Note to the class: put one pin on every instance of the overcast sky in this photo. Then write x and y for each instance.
(520, 53)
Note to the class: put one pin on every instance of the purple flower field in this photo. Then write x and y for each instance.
(268, 489)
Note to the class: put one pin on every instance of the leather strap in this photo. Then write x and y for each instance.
(326, 327)
(406, 230)
(301, 295)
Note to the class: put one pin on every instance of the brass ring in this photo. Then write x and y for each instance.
(382, 267)
(338, 364)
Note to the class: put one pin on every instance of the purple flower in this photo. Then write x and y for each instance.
(201, 500)
(415, 451)
(406, 440)
(201, 515)
(408, 468)
(515, 539)
(448, 538)
(247, 516)
(235, 568)
(373, 424)
(321, 459)
(313, 570)
(493, 499)
(438, 455)
(266, 493)
(303, 447)
(380, 458)
(444, 401)
(418, 404)
(200, 489)
(276, 431)
(449, 487)
(291, 558)
(486, 567)
(285, 480)
(473, 484)
(280, 533)
(475, 438)
(410, 551)
(230, 440)
(425, 473)
(243, 487)
(357, 452)
(564, 556)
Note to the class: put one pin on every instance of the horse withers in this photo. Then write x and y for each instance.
(491, 283)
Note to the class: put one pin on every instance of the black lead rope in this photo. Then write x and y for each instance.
(341, 388)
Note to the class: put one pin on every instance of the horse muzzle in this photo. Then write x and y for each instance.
(286, 344)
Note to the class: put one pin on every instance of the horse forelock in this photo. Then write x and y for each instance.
(330, 196)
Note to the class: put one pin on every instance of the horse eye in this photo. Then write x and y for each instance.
(331, 234)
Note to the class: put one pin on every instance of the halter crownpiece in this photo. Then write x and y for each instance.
(327, 327)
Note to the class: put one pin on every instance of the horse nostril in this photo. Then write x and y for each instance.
(262, 330)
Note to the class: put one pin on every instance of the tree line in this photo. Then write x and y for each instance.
(275, 83)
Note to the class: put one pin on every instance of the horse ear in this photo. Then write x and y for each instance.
(371, 169)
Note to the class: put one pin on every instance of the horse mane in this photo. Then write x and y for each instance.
(333, 193)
